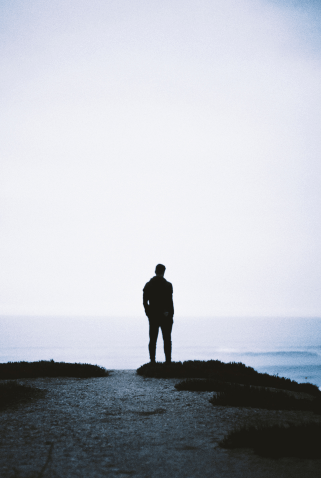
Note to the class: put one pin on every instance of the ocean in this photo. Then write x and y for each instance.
(288, 347)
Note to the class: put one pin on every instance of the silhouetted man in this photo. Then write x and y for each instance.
(159, 308)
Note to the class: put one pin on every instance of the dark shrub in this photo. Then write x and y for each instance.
(224, 372)
(12, 393)
(302, 441)
(248, 396)
(45, 368)
(201, 385)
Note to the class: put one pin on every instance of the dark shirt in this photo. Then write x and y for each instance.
(158, 298)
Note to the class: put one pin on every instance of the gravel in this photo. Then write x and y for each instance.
(126, 425)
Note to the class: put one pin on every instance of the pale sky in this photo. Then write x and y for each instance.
(185, 132)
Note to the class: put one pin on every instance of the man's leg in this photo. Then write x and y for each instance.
(166, 331)
(153, 334)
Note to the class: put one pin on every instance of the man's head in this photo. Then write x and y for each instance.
(160, 270)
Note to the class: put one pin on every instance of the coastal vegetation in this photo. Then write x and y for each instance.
(201, 385)
(235, 395)
(50, 368)
(13, 393)
(215, 370)
(276, 441)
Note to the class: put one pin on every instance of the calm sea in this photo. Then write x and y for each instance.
(284, 346)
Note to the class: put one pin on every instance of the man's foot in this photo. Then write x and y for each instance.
(152, 361)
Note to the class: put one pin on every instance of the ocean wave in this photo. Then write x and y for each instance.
(282, 353)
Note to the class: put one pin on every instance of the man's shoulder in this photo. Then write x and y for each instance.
(157, 282)
(169, 285)
(148, 284)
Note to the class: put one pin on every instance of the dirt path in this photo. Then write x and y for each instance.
(126, 425)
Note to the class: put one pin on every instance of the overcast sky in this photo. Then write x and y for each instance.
(185, 132)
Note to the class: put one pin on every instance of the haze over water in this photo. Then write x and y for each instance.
(288, 347)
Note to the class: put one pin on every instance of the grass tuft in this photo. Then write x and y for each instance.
(12, 393)
(224, 372)
(50, 368)
(302, 441)
(201, 385)
(236, 395)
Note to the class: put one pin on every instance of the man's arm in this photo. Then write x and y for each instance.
(171, 304)
(145, 301)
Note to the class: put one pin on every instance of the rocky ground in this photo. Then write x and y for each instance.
(125, 425)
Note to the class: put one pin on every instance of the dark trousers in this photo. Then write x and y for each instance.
(166, 325)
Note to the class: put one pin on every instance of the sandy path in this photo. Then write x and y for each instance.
(126, 425)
